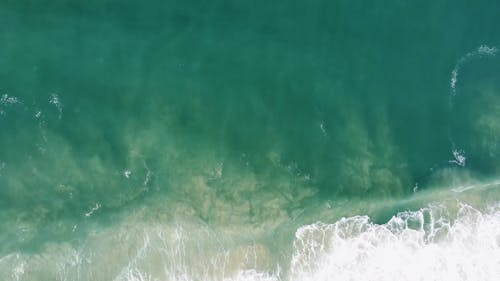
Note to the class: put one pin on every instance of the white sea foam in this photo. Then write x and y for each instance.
(433, 243)
(7, 101)
(429, 244)
(93, 209)
(459, 157)
(56, 101)
(322, 128)
(480, 52)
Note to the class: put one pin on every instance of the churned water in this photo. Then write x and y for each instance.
(249, 140)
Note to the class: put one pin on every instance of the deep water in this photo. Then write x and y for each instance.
(249, 140)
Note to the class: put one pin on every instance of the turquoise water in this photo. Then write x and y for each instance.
(243, 140)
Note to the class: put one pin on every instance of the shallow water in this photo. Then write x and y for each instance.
(249, 141)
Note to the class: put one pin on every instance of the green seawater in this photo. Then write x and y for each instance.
(230, 140)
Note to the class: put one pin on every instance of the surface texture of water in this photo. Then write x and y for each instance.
(241, 132)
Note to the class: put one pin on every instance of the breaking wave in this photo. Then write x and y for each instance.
(434, 243)
(428, 244)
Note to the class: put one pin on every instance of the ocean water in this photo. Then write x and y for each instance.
(249, 140)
